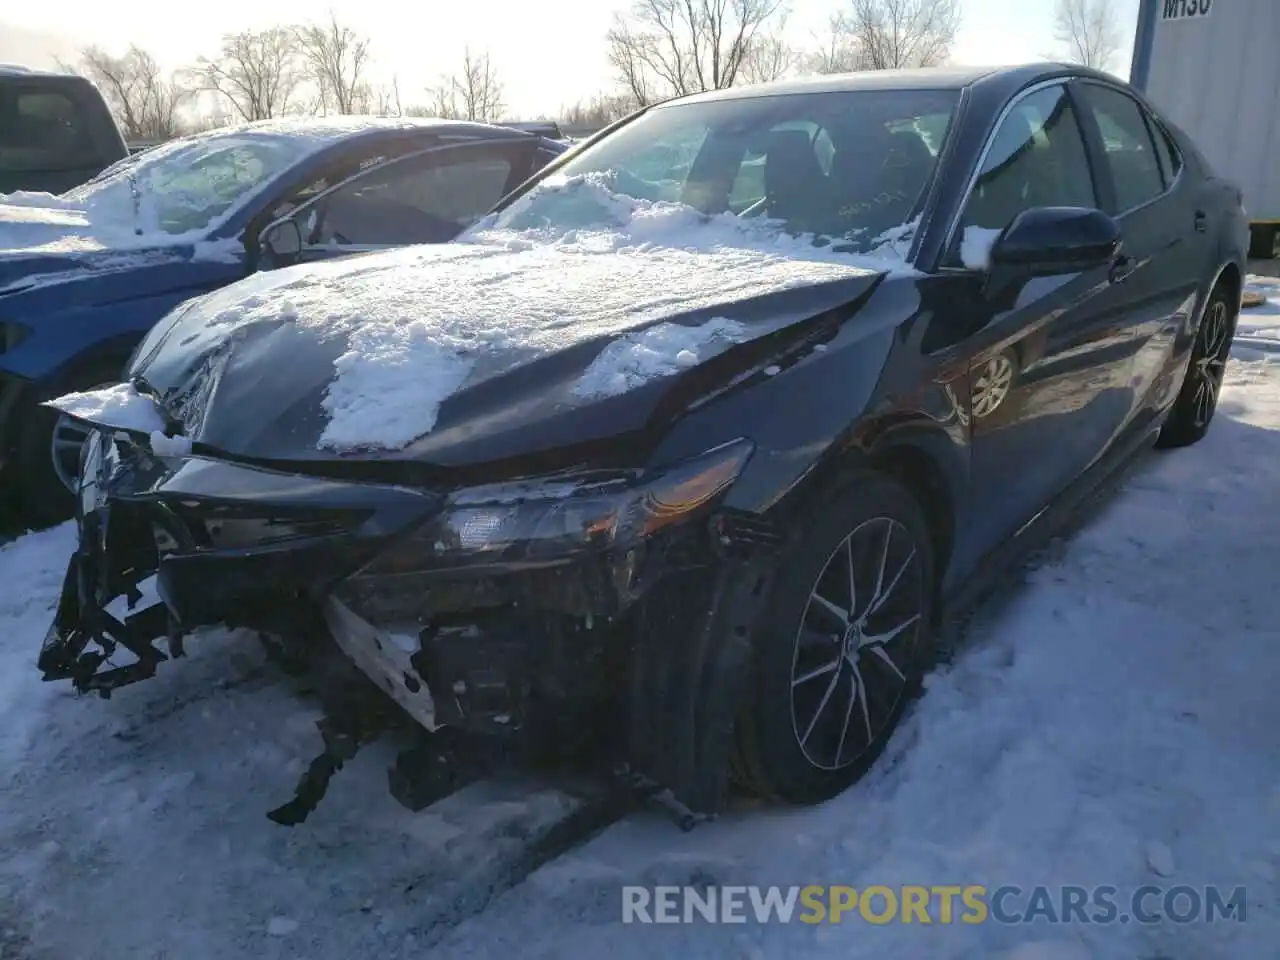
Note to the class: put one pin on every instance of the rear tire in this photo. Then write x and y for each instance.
(43, 499)
(835, 665)
(1197, 401)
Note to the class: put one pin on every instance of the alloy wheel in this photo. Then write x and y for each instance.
(856, 641)
(992, 385)
(1214, 342)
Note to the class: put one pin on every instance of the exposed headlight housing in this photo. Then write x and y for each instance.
(524, 524)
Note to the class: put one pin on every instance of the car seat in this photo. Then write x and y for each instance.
(795, 185)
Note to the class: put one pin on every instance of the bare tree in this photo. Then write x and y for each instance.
(473, 94)
(336, 58)
(382, 100)
(668, 48)
(770, 57)
(1089, 29)
(893, 34)
(258, 72)
(144, 99)
(837, 51)
(600, 111)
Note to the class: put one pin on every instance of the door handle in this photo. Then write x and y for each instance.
(1121, 267)
(1201, 221)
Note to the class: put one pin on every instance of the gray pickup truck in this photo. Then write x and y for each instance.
(55, 131)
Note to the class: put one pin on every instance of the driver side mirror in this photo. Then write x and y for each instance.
(282, 242)
(1047, 241)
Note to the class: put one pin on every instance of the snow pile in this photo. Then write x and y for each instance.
(591, 212)
(163, 445)
(659, 351)
(419, 321)
(120, 406)
(1258, 329)
(976, 245)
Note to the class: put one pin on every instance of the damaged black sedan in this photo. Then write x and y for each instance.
(695, 439)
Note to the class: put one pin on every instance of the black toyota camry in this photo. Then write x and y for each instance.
(695, 439)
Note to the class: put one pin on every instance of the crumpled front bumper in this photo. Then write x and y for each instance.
(141, 517)
(649, 647)
(86, 632)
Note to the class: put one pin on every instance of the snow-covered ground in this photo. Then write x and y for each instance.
(1114, 721)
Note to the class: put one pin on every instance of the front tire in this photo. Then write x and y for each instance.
(1197, 401)
(844, 642)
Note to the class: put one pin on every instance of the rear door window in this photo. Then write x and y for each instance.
(44, 129)
(417, 200)
(1127, 146)
(1170, 160)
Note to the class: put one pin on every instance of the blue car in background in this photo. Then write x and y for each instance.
(85, 274)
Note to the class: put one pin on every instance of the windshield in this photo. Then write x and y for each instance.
(845, 167)
(185, 185)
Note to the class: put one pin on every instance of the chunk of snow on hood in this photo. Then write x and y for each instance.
(166, 446)
(659, 351)
(34, 198)
(419, 321)
(389, 386)
(120, 406)
(281, 926)
(976, 246)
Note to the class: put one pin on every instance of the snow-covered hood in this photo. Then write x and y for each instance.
(55, 252)
(469, 352)
(39, 223)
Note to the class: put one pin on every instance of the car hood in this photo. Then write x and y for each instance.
(120, 274)
(47, 240)
(470, 353)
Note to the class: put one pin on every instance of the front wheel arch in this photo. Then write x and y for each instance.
(922, 458)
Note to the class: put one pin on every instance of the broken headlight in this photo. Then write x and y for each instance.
(533, 524)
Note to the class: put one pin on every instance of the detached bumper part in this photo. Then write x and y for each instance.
(529, 611)
(82, 619)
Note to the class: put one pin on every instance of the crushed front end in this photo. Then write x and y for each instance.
(609, 606)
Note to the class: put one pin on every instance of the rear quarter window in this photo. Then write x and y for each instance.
(46, 129)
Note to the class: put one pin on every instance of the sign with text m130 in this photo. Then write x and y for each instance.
(1184, 9)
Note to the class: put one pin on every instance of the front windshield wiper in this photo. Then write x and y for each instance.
(137, 202)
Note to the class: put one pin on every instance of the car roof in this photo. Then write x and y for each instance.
(343, 127)
(927, 78)
(327, 133)
(18, 70)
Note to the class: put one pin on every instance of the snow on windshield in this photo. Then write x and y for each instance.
(178, 190)
(182, 187)
(421, 322)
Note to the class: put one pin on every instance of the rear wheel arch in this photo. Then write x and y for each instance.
(1231, 277)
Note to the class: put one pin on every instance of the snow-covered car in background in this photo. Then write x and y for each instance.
(645, 454)
(85, 274)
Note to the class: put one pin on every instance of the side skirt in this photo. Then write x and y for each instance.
(1065, 513)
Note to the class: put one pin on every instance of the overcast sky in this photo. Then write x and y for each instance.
(547, 54)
